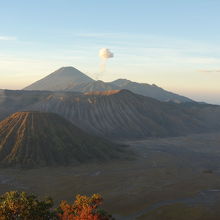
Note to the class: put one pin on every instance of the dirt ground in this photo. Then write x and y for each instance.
(164, 170)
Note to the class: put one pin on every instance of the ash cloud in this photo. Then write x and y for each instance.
(105, 53)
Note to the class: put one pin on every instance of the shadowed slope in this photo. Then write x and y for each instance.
(40, 139)
(152, 91)
(118, 114)
(123, 114)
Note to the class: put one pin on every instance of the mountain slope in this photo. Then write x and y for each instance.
(123, 114)
(60, 80)
(71, 79)
(118, 114)
(12, 101)
(30, 139)
(152, 91)
(92, 86)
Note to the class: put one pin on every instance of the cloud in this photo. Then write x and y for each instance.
(94, 35)
(203, 60)
(209, 71)
(6, 38)
(105, 53)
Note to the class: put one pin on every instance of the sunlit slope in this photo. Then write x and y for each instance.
(71, 79)
(61, 79)
(41, 139)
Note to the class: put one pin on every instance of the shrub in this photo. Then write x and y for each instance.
(83, 208)
(21, 206)
(16, 205)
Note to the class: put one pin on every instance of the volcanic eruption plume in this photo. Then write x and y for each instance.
(104, 54)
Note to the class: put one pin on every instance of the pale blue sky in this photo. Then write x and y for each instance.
(172, 43)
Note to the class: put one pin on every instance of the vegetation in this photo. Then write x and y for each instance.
(16, 205)
(83, 208)
(19, 205)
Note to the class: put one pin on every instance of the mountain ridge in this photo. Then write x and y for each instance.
(71, 79)
(116, 114)
(152, 91)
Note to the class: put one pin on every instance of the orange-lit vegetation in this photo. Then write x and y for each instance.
(83, 208)
(21, 206)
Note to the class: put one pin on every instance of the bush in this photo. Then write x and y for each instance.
(83, 208)
(16, 205)
(20, 206)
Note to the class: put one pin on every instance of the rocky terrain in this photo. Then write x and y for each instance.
(117, 114)
(30, 139)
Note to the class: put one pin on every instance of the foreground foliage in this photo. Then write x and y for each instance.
(20, 205)
(83, 208)
(16, 205)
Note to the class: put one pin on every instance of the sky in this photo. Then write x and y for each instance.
(174, 44)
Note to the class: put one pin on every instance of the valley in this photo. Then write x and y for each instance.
(109, 110)
(165, 169)
(144, 155)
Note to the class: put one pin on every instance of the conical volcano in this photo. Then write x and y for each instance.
(30, 139)
(60, 80)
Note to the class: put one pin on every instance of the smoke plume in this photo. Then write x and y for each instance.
(105, 53)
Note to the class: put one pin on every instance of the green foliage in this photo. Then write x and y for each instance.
(21, 206)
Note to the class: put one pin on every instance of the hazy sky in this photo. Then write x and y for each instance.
(172, 43)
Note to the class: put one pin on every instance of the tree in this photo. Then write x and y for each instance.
(21, 206)
(16, 205)
(83, 208)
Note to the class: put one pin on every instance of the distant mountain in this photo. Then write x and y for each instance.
(92, 86)
(71, 79)
(30, 139)
(61, 79)
(152, 91)
(117, 114)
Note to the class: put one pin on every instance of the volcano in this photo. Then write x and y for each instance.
(30, 139)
